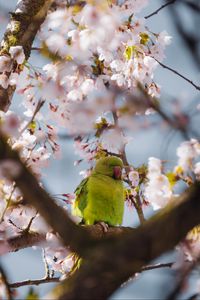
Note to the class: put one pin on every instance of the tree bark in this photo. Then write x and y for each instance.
(21, 30)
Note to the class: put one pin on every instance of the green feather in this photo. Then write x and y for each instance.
(81, 198)
(100, 197)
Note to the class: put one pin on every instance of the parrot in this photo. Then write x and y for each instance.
(100, 196)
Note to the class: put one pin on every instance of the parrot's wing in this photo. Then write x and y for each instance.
(81, 198)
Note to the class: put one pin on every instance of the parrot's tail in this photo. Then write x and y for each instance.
(77, 261)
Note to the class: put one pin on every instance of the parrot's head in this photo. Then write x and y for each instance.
(110, 166)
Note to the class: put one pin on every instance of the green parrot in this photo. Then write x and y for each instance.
(100, 196)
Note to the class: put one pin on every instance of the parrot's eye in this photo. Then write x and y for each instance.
(117, 174)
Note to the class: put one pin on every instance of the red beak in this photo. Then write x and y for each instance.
(117, 172)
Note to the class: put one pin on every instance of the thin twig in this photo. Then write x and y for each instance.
(159, 9)
(190, 38)
(136, 203)
(34, 282)
(177, 73)
(37, 109)
(47, 269)
(36, 49)
(157, 266)
(28, 227)
(57, 279)
(8, 203)
(173, 122)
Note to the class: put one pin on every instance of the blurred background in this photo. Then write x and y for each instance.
(62, 176)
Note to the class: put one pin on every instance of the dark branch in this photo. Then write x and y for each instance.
(133, 250)
(190, 37)
(116, 260)
(179, 74)
(33, 282)
(71, 234)
(159, 9)
(157, 266)
(21, 30)
(21, 241)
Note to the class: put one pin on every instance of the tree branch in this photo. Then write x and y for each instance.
(33, 282)
(29, 239)
(21, 241)
(132, 250)
(79, 238)
(197, 87)
(116, 260)
(190, 38)
(57, 279)
(157, 266)
(71, 234)
(21, 30)
(159, 9)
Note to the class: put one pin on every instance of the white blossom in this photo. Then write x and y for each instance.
(154, 166)
(187, 152)
(17, 53)
(134, 178)
(157, 189)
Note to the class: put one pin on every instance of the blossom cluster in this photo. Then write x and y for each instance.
(158, 191)
(93, 49)
(10, 66)
(159, 185)
(101, 63)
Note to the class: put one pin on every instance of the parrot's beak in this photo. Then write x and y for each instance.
(117, 172)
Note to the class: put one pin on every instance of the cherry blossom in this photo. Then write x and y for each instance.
(134, 178)
(158, 191)
(187, 152)
(17, 54)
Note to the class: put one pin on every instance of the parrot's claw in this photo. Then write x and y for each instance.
(104, 226)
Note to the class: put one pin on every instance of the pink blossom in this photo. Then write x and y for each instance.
(10, 124)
